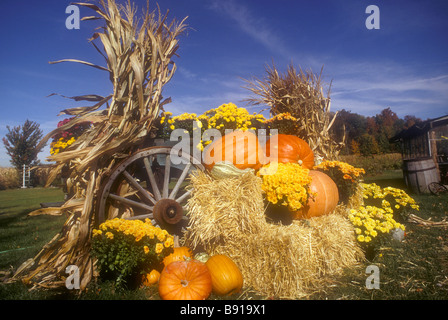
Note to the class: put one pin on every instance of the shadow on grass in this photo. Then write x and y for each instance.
(6, 221)
(3, 209)
(19, 291)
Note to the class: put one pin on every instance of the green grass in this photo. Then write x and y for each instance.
(391, 178)
(416, 268)
(22, 236)
(377, 164)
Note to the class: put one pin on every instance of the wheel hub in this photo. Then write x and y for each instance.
(167, 211)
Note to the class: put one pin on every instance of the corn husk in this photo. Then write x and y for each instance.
(138, 55)
(227, 216)
(301, 94)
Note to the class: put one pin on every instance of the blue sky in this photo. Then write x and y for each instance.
(403, 65)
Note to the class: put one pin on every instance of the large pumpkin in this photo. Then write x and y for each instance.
(290, 149)
(179, 254)
(226, 276)
(241, 148)
(326, 196)
(185, 280)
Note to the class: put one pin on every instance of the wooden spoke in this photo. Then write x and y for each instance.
(136, 185)
(183, 197)
(180, 181)
(146, 185)
(143, 216)
(130, 202)
(166, 180)
(152, 179)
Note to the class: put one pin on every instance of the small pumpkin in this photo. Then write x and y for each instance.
(241, 148)
(290, 149)
(151, 278)
(179, 254)
(325, 199)
(185, 280)
(227, 278)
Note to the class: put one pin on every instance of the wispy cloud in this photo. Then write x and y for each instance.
(199, 104)
(405, 95)
(256, 27)
(186, 73)
(437, 84)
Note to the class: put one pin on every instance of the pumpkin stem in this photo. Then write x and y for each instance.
(184, 283)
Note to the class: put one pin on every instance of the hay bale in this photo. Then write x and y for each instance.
(227, 216)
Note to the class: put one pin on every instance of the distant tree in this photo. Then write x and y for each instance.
(409, 121)
(368, 145)
(389, 124)
(382, 139)
(354, 147)
(352, 125)
(372, 126)
(386, 121)
(21, 142)
(370, 135)
(386, 118)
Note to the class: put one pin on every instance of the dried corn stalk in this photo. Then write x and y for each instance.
(138, 57)
(301, 94)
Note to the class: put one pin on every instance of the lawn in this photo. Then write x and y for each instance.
(22, 236)
(416, 268)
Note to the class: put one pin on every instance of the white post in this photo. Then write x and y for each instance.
(23, 175)
(29, 176)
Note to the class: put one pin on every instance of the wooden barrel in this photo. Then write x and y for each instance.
(418, 173)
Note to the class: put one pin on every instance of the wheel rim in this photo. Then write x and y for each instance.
(148, 185)
(436, 188)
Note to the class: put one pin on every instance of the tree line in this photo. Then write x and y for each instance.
(369, 135)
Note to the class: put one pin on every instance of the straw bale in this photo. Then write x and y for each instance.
(227, 216)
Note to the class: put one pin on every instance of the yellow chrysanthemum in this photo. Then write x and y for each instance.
(370, 221)
(159, 248)
(97, 232)
(349, 172)
(286, 183)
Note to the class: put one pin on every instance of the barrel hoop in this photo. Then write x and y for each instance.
(419, 170)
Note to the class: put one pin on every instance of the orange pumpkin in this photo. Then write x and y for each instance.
(326, 196)
(185, 280)
(226, 276)
(241, 148)
(179, 254)
(290, 149)
(151, 278)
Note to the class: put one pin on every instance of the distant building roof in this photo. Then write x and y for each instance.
(419, 128)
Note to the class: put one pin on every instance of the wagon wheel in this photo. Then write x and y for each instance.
(148, 185)
(436, 188)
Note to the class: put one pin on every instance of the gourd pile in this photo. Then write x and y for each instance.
(194, 277)
(281, 252)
